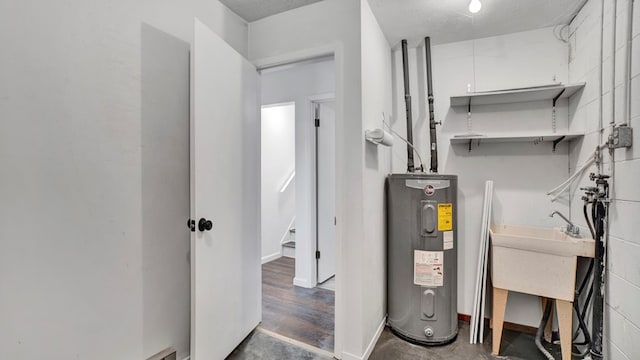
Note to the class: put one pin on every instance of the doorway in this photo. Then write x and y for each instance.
(225, 173)
(298, 202)
(324, 121)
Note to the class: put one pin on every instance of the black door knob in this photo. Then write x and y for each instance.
(191, 224)
(205, 225)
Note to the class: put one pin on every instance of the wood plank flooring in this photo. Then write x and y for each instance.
(306, 315)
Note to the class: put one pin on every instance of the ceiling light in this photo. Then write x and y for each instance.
(475, 6)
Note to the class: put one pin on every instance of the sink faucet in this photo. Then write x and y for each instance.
(571, 229)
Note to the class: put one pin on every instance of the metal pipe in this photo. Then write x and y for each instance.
(432, 120)
(629, 59)
(601, 76)
(407, 104)
(612, 120)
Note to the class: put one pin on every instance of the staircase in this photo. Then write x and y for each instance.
(289, 246)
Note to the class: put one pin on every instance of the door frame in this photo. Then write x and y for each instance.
(337, 52)
(311, 101)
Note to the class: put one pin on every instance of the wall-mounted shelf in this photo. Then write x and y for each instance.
(554, 138)
(539, 93)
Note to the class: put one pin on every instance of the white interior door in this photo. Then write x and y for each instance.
(326, 157)
(225, 183)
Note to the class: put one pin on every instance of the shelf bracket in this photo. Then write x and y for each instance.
(556, 142)
(553, 111)
(469, 116)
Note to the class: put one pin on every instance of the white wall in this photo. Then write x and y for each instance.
(278, 146)
(296, 84)
(376, 99)
(522, 172)
(93, 151)
(324, 27)
(622, 318)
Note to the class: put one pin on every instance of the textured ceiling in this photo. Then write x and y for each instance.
(450, 20)
(443, 20)
(252, 10)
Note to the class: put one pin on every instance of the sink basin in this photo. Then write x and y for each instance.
(538, 261)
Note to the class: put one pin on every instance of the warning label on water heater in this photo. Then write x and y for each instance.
(445, 217)
(447, 240)
(428, 268)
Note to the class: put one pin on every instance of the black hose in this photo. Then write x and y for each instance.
(597, 324)
(586, 218)
(543, 323)
(586, 303)
(576, 303)
(585, 332)
(587, 276)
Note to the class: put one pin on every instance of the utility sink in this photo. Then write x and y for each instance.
(538, 261)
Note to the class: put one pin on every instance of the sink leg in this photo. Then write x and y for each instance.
(565, 317)
(499, 307)
(547, 329)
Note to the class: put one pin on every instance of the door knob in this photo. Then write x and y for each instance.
(205, 225)
(191, 224)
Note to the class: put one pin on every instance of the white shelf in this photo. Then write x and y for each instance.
(539, 93)
(510, 138)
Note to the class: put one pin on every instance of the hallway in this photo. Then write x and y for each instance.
(306, 315)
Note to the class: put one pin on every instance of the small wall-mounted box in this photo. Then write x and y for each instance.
(621, 136)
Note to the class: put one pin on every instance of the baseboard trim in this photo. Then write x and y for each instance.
(303, 283)
(166, 354)
(376, 337)
(266, 259)
(507, 325)
(370, 347)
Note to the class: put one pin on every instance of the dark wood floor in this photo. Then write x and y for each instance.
(306, 315)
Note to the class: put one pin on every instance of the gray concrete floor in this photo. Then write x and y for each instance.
(515, 346)
(262, 346)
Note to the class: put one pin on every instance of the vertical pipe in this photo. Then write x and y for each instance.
(614, 69)
(407, 104)
(629, 59)
(432, 120)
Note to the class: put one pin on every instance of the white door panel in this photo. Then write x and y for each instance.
(326, 192)
(225, 182)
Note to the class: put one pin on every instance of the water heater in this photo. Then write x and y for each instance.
(422, 257)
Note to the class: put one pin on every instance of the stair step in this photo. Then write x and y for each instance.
(289, 252)
(290, 244)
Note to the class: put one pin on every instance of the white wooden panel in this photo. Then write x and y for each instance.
(225, 189)
(326, 193)
(514, 137)
(516, 95)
